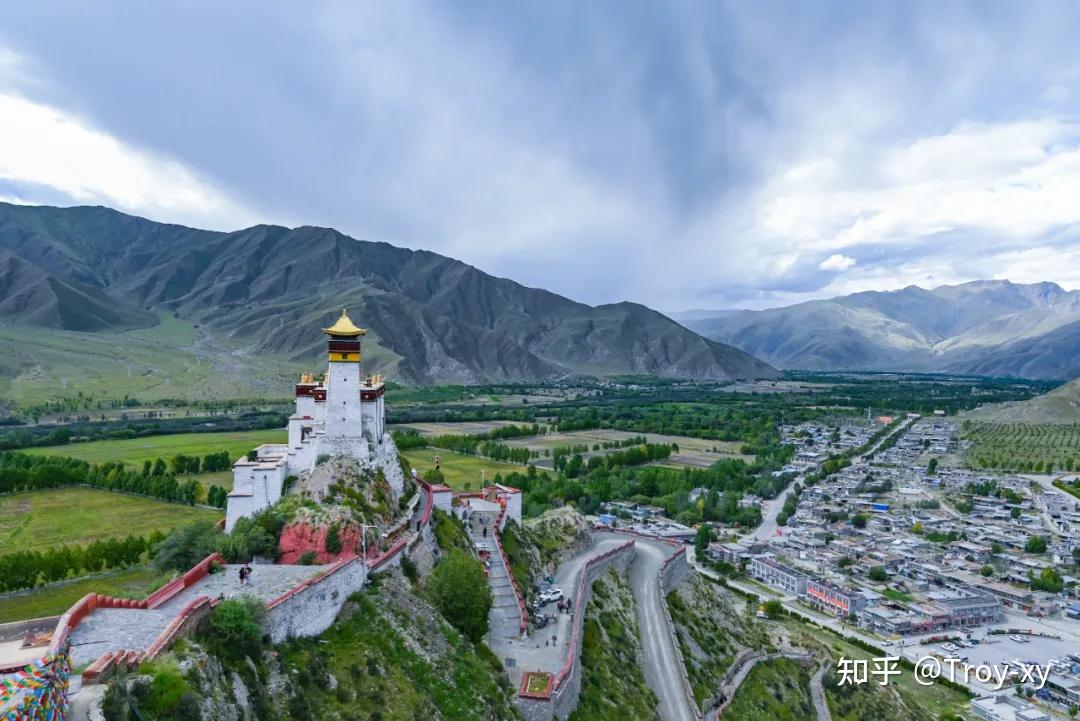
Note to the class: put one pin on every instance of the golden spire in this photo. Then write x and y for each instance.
(344, 328)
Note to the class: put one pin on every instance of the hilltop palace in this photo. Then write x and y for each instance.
(341, 415)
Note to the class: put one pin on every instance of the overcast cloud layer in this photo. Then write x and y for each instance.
(709, 154)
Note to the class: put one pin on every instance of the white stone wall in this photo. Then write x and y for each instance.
(312, 610)
(238, 507)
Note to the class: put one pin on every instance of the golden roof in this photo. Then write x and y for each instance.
(344, 328)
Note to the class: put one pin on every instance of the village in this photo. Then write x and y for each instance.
(920, 556)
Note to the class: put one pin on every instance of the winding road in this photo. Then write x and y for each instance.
(663, 668)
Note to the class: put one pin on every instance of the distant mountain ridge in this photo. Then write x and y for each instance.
(432, 319)
(990, 327)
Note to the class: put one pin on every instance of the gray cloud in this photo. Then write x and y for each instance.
(698, 154)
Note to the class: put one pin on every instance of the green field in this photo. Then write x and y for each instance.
(54, 600)
(37, 520)
(1025, 447)
(134, 451)
(460, 470)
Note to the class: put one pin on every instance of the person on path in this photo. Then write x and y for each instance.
(247, 575)
(243, 575)
(485, 531)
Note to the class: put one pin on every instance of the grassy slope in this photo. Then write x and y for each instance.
(778, 690)
(40, 519)
(51, 601)
(915, 702)
(169, 360)
(134, 451)
(713, 630)
(459, 470)
(612, 684)
(396, 663)
(1061, 405)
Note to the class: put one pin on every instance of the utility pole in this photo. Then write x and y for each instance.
(363, 538)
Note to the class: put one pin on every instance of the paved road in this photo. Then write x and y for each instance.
(663, 670)
(537, 652)
(769, 511)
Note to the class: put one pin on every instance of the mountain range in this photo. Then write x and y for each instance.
(266, 290)
(990, 327)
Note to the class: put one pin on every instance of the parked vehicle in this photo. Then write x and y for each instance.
(551, 595)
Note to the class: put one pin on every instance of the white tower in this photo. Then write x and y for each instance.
(344, 421)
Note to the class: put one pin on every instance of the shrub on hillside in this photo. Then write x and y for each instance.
(234, 629)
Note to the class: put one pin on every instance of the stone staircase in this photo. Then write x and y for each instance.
(504, 620)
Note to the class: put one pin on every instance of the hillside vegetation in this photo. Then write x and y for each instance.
(390, 656)
(778, 690)
(1061, 405)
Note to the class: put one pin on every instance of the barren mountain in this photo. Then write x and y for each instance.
(983, 327)
(269, 289)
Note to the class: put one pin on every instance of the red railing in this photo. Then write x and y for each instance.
(425, 518)
(308, 583)
(83, 608)
(197, 605)
(378, 562)
(197, 573)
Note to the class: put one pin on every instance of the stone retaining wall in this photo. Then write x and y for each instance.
(18, 629)
(310, 608)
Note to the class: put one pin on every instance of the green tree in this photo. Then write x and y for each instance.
(702, 539)
(987, 570)
(184, 547)
(773, 608)
(1035, 544)
(459, 589)
(1049, 580)
(878, 574)
(859, 520)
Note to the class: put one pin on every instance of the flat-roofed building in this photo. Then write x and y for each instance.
(841, 600)
(773, 573)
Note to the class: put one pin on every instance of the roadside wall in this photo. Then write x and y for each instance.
(675, 571)
(310, 608)
(672, 573)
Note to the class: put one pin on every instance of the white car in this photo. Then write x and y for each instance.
(551, 595)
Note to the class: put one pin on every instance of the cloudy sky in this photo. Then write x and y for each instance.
(710, 154)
